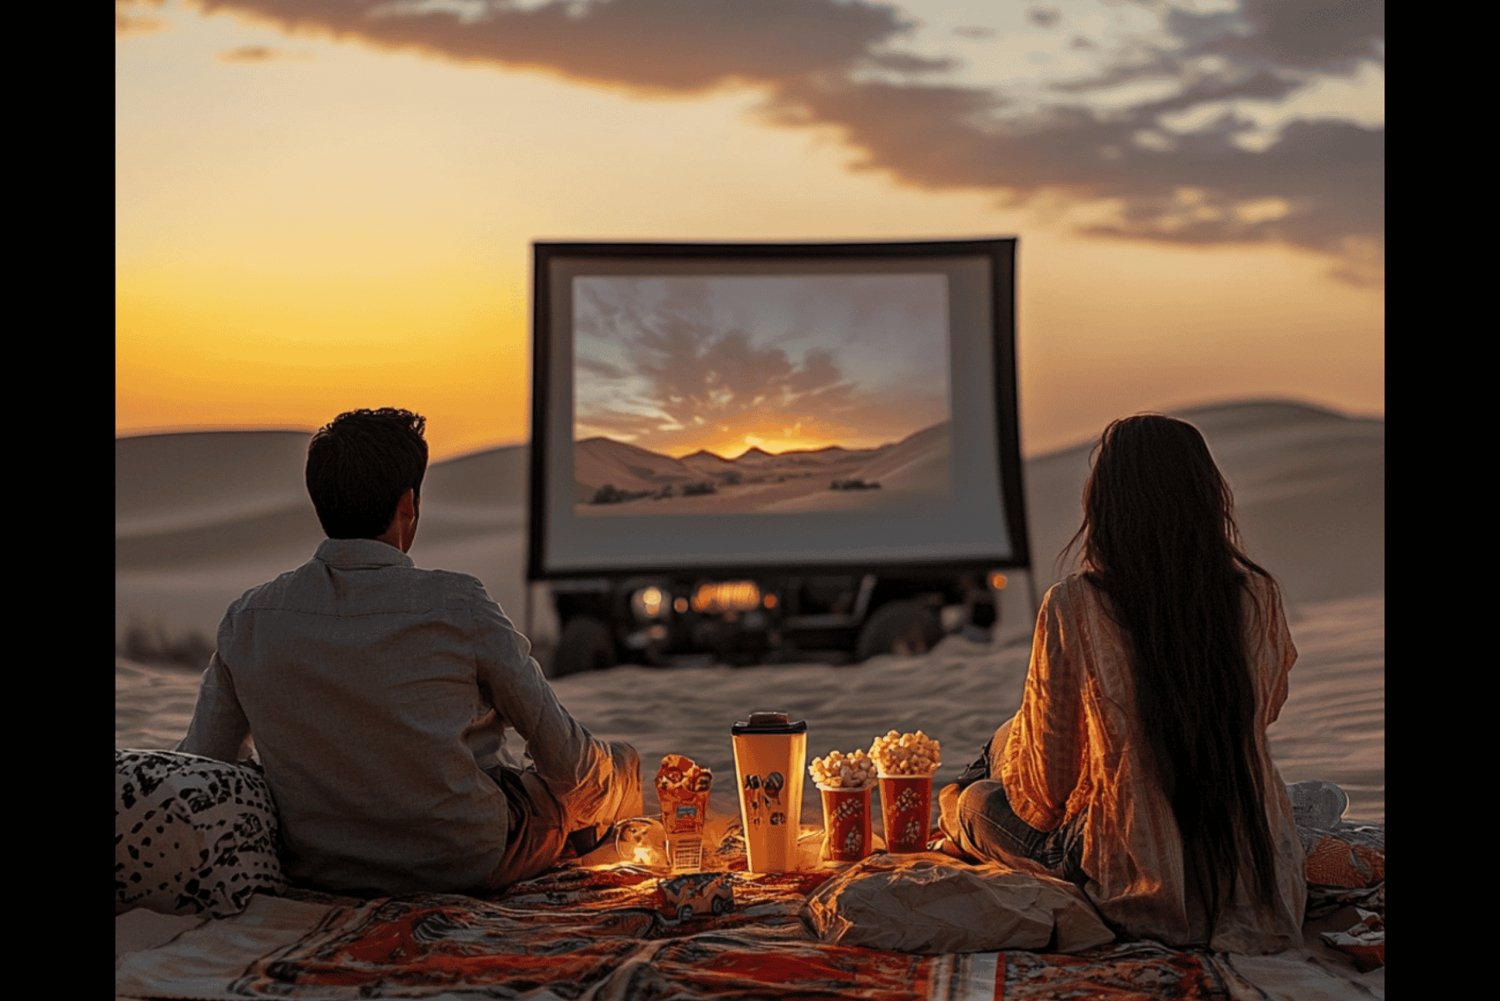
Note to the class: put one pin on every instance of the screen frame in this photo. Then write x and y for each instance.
(1000, 253)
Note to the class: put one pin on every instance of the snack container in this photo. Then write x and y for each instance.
(770, 758)
(847, 833)
(906, 811)
(682, 788)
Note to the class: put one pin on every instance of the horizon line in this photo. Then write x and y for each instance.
(499, 443)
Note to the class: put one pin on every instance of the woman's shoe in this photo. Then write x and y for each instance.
(1317, 803)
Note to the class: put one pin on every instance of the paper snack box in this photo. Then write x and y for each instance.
(682, 788)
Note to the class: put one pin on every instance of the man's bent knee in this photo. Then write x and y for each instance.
(626, 758)
(610, 791)
(627, 777)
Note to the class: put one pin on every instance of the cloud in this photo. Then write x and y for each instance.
(1331, 36)
(127, 22)
(832, 63)
(1262, 37)
(1330, 172)
(599, 367)
(1332, 167)
(1258, 84)
(681, 46)
(255, 54)
(1044, 17)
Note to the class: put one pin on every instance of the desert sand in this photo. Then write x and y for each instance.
(202, 517)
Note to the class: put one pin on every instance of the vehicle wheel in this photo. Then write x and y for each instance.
(908, 628)
(685, 912)
(585, 645)
(720, 905)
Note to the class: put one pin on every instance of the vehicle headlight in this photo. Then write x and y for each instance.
(726, 596)
(649, 603)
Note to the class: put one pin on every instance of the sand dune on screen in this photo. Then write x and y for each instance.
(910, 472)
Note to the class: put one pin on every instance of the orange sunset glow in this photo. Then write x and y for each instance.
(732, 446)
(332, 206)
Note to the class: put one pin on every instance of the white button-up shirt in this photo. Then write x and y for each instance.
(377, 694)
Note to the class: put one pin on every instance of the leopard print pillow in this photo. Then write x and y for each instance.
(192, 834)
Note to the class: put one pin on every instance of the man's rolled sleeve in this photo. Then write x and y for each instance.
(218, 728)
(562, 749)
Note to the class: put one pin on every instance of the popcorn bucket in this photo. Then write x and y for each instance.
(846, 822)
(906, 811)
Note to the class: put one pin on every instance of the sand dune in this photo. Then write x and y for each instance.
(195, 528)
(170, 483)
(1309, 488)
(815, 458)
(601, 461)
(201, 518)
(707, 463)
(909, 471)
(488, 486)
(918, 464)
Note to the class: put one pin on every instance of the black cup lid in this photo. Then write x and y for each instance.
(769, 722)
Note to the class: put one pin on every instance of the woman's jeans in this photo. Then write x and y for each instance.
(979, 819)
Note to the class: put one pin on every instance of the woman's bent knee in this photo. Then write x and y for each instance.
(990, 824)
(985, 798)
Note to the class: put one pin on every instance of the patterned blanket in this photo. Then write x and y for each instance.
(596, 933)
(599, 933)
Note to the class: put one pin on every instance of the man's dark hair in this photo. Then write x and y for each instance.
(358, 466)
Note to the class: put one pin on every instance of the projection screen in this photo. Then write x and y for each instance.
(718, 407)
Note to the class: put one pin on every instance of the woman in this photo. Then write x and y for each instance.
(1137, 765)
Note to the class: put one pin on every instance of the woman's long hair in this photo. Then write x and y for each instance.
(1159, 539)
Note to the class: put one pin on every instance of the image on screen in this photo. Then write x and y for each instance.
(712, 406)
(760, 394)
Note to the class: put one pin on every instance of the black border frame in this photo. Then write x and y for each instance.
(1001, 252)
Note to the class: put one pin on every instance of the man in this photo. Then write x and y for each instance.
(377, 695)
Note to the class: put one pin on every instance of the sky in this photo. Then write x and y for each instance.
(328, 204)
(778, 363)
